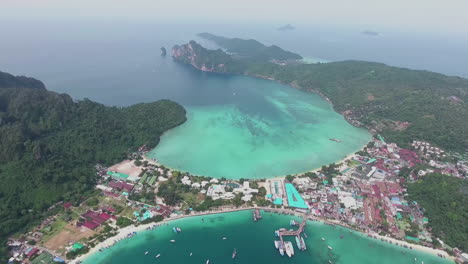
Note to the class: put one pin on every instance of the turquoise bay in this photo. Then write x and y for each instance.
(242, 127)
(254, 244)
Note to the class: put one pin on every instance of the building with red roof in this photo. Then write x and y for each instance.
(32, 252)
(409, 156)
(121, 186)
(90, 225)
(105, 216)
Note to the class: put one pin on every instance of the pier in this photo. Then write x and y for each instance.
(294, 232)
(256, 215)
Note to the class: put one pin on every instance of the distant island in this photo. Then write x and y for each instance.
(287, 27)
(371, 33)
(401, 104)
(251, 49)
(163, 51)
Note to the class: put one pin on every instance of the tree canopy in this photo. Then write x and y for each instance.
(445, 200)
(49, 145)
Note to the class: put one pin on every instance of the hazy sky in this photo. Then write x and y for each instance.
(420, 15)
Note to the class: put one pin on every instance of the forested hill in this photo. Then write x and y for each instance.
(9, 81)
(251, 49)
(49, 145)
(445, 200)
(401, 104)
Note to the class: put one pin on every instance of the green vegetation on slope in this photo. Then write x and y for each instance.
(381, 96)
(378, 96)
(251, 49)
(445, 200)
(49, 145)
(212, 60)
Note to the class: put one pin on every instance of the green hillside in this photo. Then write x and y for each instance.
(49, 145)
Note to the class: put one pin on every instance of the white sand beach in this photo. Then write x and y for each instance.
(130, 229)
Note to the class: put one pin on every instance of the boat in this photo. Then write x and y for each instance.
(207, 261)
(292, 223)
(305, 235)
(224, 238)
(174, 229)
(277, 233)
(323, 239)
(158, 255)
(191, 253)
(329, 261)
(301, 243)
(289, 248)
(234, 253)
(146, 253)
(298, 242)
(172, 241)
(254, 216)
(178, 229)
(281, 250)
(336, 140)
(330, 248)
(277, 244)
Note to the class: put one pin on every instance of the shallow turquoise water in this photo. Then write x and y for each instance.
(259, 129)
(254, 244)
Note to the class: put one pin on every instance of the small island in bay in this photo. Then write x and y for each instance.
(371, 33)
(287, 27)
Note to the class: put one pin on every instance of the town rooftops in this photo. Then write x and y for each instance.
(409, 156)
(90, 225)
(32, 252)
(117, 175)
(77, 246)
(121, 186)
(294, 198)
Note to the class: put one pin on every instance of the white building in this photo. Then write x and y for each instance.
(186, 180)
(347, 199)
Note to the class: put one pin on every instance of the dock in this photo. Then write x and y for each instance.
(294, 232)
(256, 215)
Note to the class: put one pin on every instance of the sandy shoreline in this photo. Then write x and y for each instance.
(122, 233)
(347, 157)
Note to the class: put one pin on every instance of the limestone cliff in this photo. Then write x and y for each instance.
(201, 58)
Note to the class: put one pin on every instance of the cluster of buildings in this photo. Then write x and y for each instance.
(228, 191)
(225, 190)
(280, 192)
(93, 220)
(368, 192)
(32, 255)
(198, 185)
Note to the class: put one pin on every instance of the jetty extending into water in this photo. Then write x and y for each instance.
(293, 232)
(296, 233)
(256, 215)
